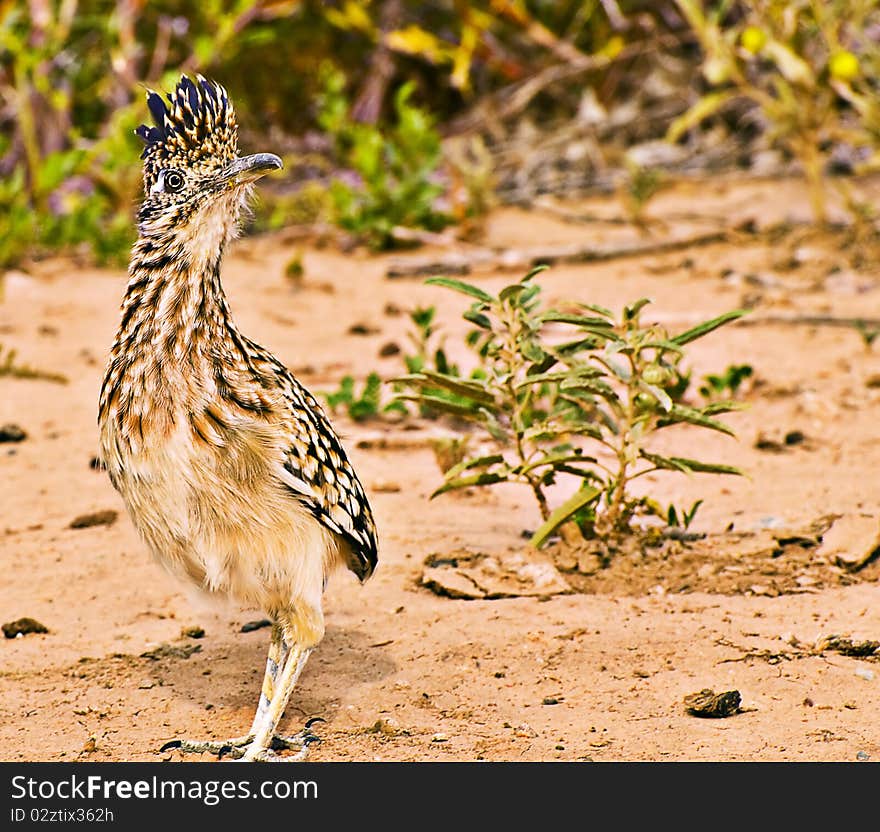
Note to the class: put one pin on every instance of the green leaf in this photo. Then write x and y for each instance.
(467, 482)
(667, 463)
(576, 320)
(596, 386)
(660, 395)
(512, 291)
(630, 312)
(689, 516)
(705, 328)
(620, 371)
(726, 406)
(478, 462)
(545, 431)
(582, 497)
(572, 347)
(583, 473)
(533, 351)
(535, 270)
(601, 310)
(491, 423)
(660, 344)
(468, 388)
(680, 413)
(443, 405)
(688, 466)
(559, 375)
(553, 460)
(461, 286)
(478, 318)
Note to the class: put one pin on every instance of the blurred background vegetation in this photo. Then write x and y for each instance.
(399, 118)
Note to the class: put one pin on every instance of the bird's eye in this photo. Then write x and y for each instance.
(173, 181)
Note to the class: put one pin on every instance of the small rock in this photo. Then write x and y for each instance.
(386, 487)
(713, 705)
(863, 755)
(146, 685)
(192, 632)
(851, 542)
(12, 433)
(549, 700)
(250, 626)
(439, 738)
(23, 627)
(363, 329)
(91, 745)
(388, 726)
(864, 673)
(794, 437)
(389, 349)
(95, 518)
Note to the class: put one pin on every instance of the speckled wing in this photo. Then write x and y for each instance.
(317, 470)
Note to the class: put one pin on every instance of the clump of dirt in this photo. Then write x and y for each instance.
(94, 518)
(23, 627)
(171, 651)
(768, 562)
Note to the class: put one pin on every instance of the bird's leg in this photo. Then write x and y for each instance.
(260, 749)
(278, 652)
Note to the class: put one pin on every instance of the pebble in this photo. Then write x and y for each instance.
(864, 673)
(12, 433)
(22, 627)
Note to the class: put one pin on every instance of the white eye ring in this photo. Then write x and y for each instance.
(168, 180)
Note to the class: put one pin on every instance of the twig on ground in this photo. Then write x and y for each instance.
(494, 259)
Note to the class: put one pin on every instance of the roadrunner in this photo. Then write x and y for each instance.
(227, 465)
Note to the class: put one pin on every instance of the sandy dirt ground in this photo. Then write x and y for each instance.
(596, 674)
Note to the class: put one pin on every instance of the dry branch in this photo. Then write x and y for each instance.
(495, 259)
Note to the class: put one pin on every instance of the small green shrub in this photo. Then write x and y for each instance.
(360, 406)
(394, 167)
(586, 408)
(727, 384)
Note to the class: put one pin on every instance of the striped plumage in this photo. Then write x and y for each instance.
(229, 468)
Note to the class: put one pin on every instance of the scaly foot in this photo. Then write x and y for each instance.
(241, 748)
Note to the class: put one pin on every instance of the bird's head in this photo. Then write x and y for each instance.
(195, 182)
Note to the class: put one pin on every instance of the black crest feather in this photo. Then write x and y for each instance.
(196, 120)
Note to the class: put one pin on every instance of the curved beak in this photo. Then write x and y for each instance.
(250, 168)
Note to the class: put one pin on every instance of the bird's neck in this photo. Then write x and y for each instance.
(174, 305)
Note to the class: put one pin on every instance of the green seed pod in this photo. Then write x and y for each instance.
(655, 374)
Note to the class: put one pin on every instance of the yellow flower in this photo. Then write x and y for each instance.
(844, 66)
